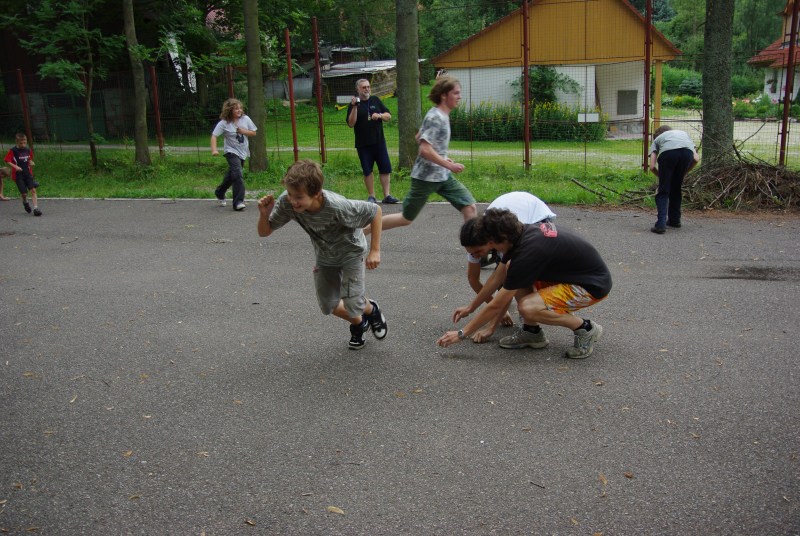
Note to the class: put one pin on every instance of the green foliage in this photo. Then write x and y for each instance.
(762, 108)
(684, 101)
(691, 86)
(487, 122)
(549, 121)
(543, 82)
(554, 121)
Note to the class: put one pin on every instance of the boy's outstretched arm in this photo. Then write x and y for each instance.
(265, 206)
(375, 227)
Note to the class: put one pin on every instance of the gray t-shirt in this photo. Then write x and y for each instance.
(435, 130)
(671, 139)
(335, 230)
(237, 144)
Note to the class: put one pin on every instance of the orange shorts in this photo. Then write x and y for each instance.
(563, 298)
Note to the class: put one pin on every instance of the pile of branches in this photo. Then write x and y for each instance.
(742, 182)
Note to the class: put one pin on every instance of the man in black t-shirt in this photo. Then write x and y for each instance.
(551, 272)
(366, 115)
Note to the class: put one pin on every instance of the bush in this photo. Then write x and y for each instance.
(742, 85)
(505, 122)
(673, 77)
(686, 101)
(691, 86)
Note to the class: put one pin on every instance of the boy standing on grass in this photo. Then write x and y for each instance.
(334, 225)
(20, 158)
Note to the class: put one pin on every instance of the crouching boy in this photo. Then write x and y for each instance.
(334, 225)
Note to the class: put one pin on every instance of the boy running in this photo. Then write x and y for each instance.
(334, 225)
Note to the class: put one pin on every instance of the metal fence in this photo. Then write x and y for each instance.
(605, 99)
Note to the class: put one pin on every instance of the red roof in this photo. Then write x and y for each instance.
(775, 56)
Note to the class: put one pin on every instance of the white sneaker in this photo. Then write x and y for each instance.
(221, 202)
(240, 206)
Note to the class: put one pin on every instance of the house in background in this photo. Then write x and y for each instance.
(775, 60)
(597, 43)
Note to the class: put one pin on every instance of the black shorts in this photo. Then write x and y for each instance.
(25, 182)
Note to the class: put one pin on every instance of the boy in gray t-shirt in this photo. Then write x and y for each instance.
(334, 225)
(433, 170)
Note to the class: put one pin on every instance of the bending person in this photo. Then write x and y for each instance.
(551, 273)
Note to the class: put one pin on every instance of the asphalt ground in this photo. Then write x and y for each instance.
(166, 371)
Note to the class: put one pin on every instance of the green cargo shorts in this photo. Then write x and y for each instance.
(451, 189)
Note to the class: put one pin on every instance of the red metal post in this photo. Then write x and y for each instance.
(291, 91)
(648, 46)
(526, 101)
(157, 112)
(26, 112)
(318, 75)
(787, 96)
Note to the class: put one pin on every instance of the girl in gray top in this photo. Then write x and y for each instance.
(235, 127)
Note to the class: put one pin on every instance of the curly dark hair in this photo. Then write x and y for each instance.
(500, 224)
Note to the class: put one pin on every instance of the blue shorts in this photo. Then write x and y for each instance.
(25, 182)
(372, 154)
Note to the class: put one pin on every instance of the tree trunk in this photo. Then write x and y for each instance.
(87, 103)
(255, 86)
(142, 155)
(408, 97)
(717, 106)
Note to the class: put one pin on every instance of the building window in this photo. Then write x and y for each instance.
(627, 100)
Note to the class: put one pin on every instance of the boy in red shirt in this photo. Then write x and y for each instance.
(20, 158)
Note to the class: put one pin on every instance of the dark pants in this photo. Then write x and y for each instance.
(672, 168)
(233, 177)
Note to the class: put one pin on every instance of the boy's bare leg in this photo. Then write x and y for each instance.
(340, 312)
(385, 184)
(34, 198)
(390, 221)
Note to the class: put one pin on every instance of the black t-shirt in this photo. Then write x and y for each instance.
(368, 132)
(565, 258)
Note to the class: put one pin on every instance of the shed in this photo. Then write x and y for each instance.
(598, 43)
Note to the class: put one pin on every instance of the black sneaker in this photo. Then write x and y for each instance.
(37, 212)
(658, 230)
(377, 321)
(27, 206)
(390, 200)
(357, 341)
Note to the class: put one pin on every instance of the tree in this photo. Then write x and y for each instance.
(717, 106)
(408, 93)
(139, 90)
(76, 51)
(255, 84)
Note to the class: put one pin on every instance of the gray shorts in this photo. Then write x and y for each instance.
(346, 283)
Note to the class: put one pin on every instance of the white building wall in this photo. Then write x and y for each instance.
(584, 75)
(775, 79)
(486, 84)
(615, 77)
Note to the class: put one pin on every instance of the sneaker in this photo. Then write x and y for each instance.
(674, 224)
(37, 212)
(357, 341)
(390, 200)
(658, 229)
(239, 206)
(27, 206)
(524, 338)
(221, 201)
(584, 342)
(371, 199)
(377, 322)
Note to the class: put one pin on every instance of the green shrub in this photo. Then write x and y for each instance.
(691, 86)
(687, 101)
(505, 122)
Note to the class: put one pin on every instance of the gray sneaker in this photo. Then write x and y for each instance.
(584, 342)
(523, 338)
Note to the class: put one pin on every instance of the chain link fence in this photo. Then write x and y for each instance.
(591, 100)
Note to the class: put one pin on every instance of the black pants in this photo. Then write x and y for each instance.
(233, 177)
(672, 168)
